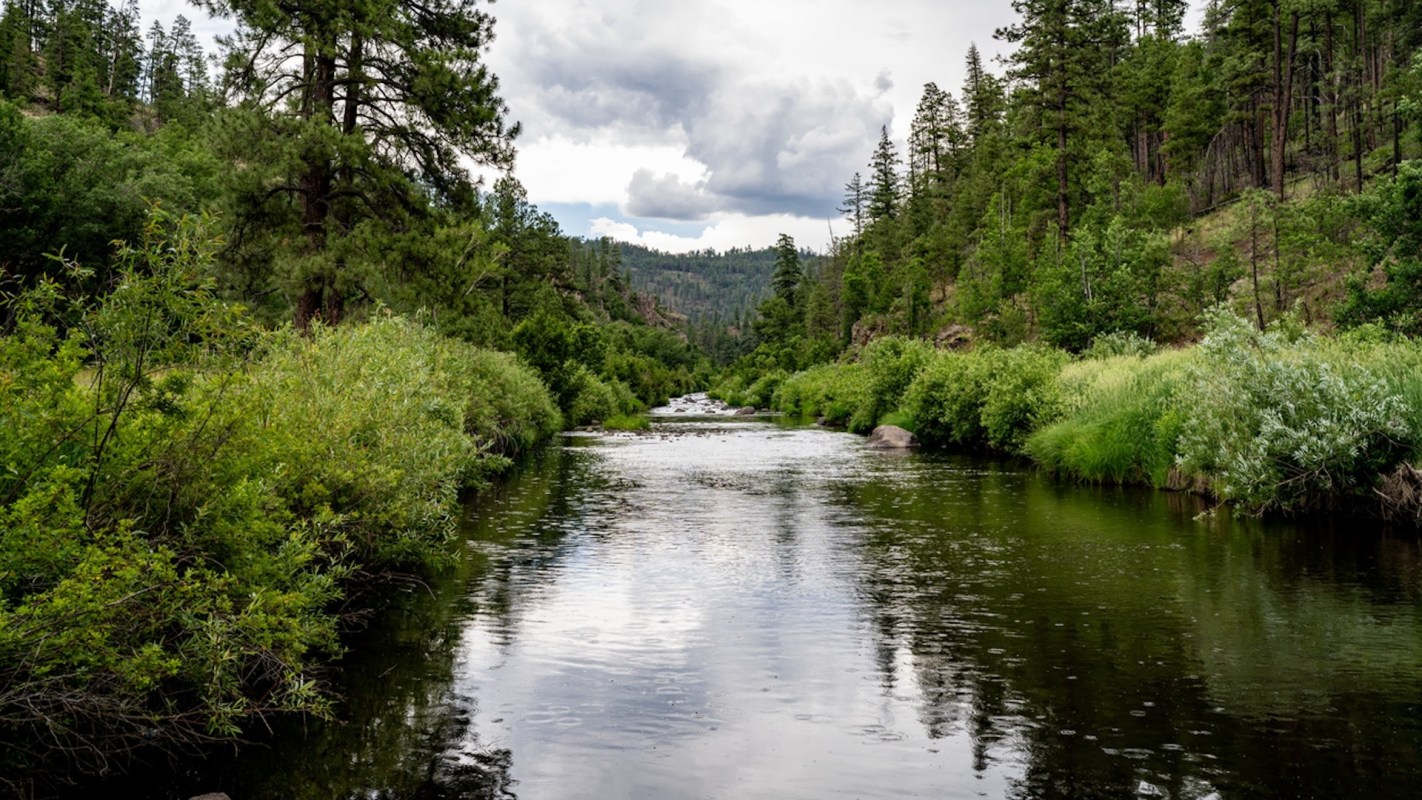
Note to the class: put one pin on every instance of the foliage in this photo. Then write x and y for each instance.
(600, 400)
(1283, 419)
(831, 392)
(633, 422)
(891, 364)
(1120, 343)
(1121, 420)
(1392, 210)
(186, 498)
(67, 182)
(395, 106)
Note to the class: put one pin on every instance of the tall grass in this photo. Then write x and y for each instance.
(1288, 419)
(1121, 420)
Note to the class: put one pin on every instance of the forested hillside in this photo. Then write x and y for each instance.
(705, 285)
(1122, 174)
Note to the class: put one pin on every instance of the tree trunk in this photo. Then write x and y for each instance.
(1283, 95)
(1063, 214)
(1358, 98)
(1254, 258)
(1396, 137)
(1331, 151)
(320, 299)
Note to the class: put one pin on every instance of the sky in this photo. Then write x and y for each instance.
(692, 124)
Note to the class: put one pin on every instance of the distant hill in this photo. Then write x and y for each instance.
(704, 285)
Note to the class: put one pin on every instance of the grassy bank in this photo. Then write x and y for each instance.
(1279, 420)
(181, 526)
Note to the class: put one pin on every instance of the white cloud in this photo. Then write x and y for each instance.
(596, 170)
(723, 232)
(721, 110)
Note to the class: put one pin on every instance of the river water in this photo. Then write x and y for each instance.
(742, 608)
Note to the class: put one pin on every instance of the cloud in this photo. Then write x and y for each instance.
(711, 110)
(667, 196)
(723, 232)
(766, 139)
(784, 146)
(596, 170)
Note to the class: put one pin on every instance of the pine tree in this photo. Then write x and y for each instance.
(982, 97)
(883, 189)
(1064, 54)
(17, 61)
(788, 273)
(381, 93)
(935, 139)
(854, 201)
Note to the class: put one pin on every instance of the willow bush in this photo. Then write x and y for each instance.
(185, 499)
(1289, 419)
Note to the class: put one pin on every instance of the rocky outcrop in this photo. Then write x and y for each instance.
(892, 437)
(953, 337)
(745, 412)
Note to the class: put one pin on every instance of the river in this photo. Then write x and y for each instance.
(743, 608)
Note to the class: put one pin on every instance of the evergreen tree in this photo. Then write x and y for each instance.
(17, 61)
(883, 189)
(935, 139)
(982, 97)
(1064, 54)
(855, 200)
(379, 113)
(788, 273)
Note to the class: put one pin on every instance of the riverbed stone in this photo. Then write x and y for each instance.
(892, 437)
(745, 412)
(211, 796)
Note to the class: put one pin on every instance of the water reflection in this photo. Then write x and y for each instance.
(740, 609)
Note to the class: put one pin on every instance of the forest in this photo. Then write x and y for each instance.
(263, 328)
(1124, 175)
(1138, 255)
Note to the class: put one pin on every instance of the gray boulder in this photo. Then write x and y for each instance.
(892, 437)
(745, 412)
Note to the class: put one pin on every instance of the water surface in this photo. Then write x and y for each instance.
(738, 608)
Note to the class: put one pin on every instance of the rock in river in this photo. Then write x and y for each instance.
(745, 412)
(892, 437)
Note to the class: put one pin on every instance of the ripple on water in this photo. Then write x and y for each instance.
(778, 612)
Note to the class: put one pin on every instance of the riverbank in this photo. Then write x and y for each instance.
(1283, 420)
(190, 505)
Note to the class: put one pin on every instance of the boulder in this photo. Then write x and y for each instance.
(745, 412)
(892, 437)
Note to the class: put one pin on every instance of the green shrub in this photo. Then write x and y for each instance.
(179, 519)
(1285, 421)
(627, 422)
(381, 425)
(946, 398)
(1120, 343)
(1021, 394)
(599, 399)
(891, 364)
(831, 392)
(760, 393)
(729, 390)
